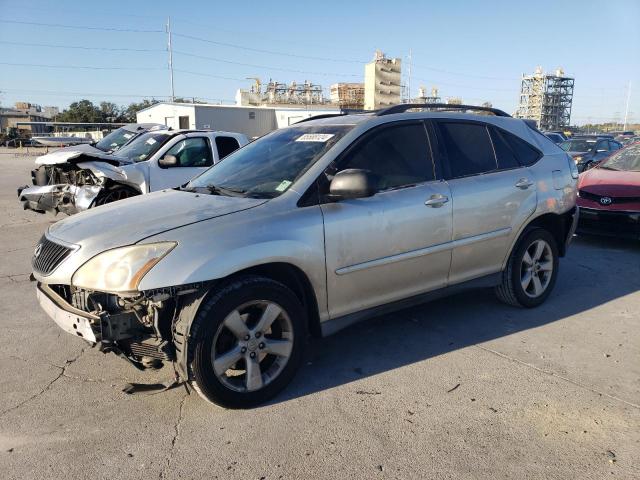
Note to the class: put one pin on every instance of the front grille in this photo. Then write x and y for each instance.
(614, 200)
(48, 255)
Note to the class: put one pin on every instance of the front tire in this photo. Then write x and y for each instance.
(531, 271)
(114, 193)
(246, 340)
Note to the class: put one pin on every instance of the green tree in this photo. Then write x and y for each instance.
(129, 114)
(82, 111)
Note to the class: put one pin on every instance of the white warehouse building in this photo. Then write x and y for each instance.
(252, 121)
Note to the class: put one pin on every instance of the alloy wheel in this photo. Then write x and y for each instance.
(252, 346)
(536, 269)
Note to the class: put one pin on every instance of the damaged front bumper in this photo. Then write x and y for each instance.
(63, 198)
(135, 329)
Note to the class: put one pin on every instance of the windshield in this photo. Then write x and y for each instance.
(627, 159)
(269, 166)
(115, 140)
(144, 146)
(578, 145)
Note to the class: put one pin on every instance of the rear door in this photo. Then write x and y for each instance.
(396, 243)
(194, 154)
(492, 194)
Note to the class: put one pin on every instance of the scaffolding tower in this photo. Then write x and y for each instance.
(547, 99)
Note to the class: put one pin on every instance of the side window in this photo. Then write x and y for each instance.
(603, 145)
(192, 152)
(468, 147)
(226, 145)
(398, 155)
(526, 154)
(505, 155)
(613, 146)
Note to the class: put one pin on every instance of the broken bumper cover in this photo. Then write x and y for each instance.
(70, 319)
(68, 199)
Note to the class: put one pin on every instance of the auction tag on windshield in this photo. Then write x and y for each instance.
(283, 185)
(128, 135)
(314, 137)
(151, 141)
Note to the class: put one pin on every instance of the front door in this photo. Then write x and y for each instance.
(396, 243)
(194, 156)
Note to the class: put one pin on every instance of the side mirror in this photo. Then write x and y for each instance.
(353, 183)
(168, 161)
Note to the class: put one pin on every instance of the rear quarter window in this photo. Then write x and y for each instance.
(526, 154)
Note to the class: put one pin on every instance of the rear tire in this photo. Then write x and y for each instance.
(531, 271)
(246, 342)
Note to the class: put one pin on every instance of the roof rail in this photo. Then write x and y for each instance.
(403, 107)
(322, 115)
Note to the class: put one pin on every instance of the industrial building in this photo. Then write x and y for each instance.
(252, 121)
(281, 94)
(382, 82)
(424, 97)
(546, 98)
(347, 95)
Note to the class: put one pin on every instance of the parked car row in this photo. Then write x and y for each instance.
(304, 231)
(588, 150)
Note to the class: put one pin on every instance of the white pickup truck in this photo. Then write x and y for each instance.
(71, 181)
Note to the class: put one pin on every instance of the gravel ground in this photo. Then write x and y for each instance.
(460, 388)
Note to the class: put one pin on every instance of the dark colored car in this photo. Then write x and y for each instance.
(609, 195)
(555, 137)
(588, 151)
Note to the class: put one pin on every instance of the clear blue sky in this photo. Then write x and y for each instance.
(473, 49)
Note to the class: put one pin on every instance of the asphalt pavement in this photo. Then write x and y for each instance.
(463, 387)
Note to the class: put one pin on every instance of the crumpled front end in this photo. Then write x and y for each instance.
(60, 188)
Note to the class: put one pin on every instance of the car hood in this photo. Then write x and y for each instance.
(129, 221)
(80, 153)
(614, 183)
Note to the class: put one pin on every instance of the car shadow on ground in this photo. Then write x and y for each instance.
(469, 318)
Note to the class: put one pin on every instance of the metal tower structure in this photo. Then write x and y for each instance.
(547, 99)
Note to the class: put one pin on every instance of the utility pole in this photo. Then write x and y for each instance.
(409, 81)
(626, 111)
(170, 49)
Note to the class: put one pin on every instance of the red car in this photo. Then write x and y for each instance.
(609, 195)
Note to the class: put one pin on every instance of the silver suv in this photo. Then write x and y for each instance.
(305, 231)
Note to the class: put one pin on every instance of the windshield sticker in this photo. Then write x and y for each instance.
(151, 141)
(315, 137)
(128, 135)
(284, 184)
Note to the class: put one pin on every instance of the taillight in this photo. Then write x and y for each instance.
(572, 167)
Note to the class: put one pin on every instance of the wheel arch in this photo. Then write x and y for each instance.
(558, 224)
(293, 278)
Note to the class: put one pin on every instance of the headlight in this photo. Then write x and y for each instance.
(121, 269)
(578, 158)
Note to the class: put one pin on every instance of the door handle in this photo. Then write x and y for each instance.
(524, 183)
(436, 200)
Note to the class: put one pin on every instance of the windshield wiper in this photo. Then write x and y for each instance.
(608, 168)
(229, 192)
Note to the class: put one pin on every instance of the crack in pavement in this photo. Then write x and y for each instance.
(175, 438)
(74, 377)
(47, 386)
(553, 374)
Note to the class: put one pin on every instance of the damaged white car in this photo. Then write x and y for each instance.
(73, 181)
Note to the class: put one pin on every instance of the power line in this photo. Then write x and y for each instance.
(80, 47)
(85, 67)
(259, 50)
(107, 95)
(265, 66)
(78, 27)
(209, 75)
